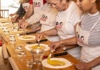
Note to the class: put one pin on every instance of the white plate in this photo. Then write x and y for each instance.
(31, 37)
(67, 63)
(29, 46)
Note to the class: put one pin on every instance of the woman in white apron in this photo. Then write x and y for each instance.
(88, 35)
(34, 5)
(65, 22)
(47, 22)
(29, 6)
(46, 16)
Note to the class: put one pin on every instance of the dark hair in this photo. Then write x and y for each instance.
(98, 4)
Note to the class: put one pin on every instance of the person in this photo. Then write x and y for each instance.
(34, 5)
(88, 35)
(69, 14)
(26, 9)
(46, 16)
(89, 29)
(20, 12)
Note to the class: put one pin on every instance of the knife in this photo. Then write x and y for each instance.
(43, 40)
(60, 54)
(37, 42)
(31, 32)
(27, 33)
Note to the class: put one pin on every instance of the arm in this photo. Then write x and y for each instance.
(30, 11)
(50, 32)
(37, 15)
(14, 18)
(86, 66)
(33, 19)
(70, 41)
(94, 62)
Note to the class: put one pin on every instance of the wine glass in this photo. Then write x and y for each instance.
(29, 64)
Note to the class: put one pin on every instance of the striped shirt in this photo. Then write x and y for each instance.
(87, 23)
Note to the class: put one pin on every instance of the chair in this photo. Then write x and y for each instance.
(4, 13)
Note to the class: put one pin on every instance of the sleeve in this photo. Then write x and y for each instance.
(75, 16)
(36, 16)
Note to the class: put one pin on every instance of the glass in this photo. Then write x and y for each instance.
(29, 63)
(37, 55)
(1, 26)
(6, 31)
(18, 48)
(4, 28)
(12, 38)
(15, 28)
(20, 52)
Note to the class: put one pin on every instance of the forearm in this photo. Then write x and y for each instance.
(51, 32)
(16, 16)
(94, 62)
(35, 17)
(29, 12)
(70, 41)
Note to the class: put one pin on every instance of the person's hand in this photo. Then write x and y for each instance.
(39, 36)
(55, 45)
(21, 22)
(13, 19)
(83, 66)
(11, 15)
(23, 25)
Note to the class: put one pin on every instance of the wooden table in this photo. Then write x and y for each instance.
(22, 63)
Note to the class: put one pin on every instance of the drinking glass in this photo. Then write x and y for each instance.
(29, 64)
(12, 38)
(37, 55)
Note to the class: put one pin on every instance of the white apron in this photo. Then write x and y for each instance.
(47, 25)
(37, 4)
(66, 30)
(25, 6)
(88, 53)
